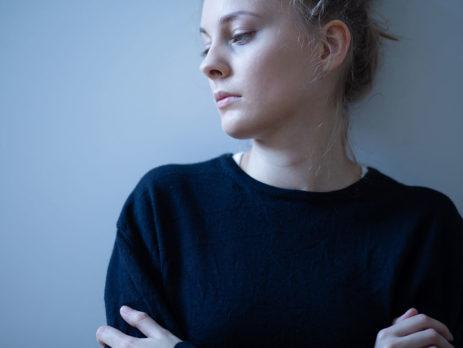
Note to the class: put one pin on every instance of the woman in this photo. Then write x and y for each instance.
(292, 243)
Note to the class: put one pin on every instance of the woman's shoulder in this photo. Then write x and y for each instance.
(171, 187)
(418, 195)
(434, 200)
(176, 172)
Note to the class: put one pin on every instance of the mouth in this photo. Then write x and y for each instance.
(224, 102)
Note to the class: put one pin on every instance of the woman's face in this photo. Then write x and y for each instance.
(261, 58)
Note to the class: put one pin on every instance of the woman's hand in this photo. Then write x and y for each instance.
(157, 336)
(413, 330)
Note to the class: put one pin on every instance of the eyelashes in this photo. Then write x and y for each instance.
(204, 53)
(238, 38)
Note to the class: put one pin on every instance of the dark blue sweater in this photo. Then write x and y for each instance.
(221, 259)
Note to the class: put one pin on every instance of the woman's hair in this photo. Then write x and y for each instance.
(362, 60)
(364, 52)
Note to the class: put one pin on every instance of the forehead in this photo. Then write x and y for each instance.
(221, 6)
(219, 12)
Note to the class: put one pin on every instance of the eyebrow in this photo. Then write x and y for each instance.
(230, 17)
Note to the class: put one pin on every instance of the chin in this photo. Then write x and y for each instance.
(236, 128)
(237, 133)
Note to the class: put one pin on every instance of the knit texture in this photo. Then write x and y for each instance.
(221, 259)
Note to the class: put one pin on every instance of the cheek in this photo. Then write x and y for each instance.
(282, 65)
(275, 79)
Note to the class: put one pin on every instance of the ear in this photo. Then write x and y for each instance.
(336, 40)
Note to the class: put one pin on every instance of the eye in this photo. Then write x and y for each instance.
(236, 38)
(204, 53)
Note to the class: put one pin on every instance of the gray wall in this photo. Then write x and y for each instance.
(89, 102)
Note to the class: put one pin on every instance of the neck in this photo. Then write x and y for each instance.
(330, 171)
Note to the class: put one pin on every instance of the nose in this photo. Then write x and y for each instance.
(214, 65)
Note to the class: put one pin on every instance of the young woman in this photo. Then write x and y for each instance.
(292, 243)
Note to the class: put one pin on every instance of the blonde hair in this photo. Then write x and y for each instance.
(361, 64)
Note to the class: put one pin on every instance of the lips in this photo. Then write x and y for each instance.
(224, 102)
(222, 95)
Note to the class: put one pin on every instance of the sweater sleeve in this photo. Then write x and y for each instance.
(434, 269)
(454, 279)
(443, 288)
(134, 273)
(184, 344)
(130, 282)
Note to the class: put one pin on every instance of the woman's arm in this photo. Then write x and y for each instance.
(134, 280)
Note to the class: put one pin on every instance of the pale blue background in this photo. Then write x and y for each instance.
(95, 93)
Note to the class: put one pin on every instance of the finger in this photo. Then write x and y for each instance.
(101, 343)
(406, 315)
(409, 313)
(142, 322)
(420, 322)
(111, 336)
(426, 338)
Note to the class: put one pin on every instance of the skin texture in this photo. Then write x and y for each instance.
(288, 117)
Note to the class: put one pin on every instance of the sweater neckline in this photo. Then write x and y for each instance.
(351, 191)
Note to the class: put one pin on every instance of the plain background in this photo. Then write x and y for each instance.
(95, 93)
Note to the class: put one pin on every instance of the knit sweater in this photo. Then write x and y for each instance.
(221, 259)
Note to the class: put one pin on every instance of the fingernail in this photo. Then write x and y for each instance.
(125, 309)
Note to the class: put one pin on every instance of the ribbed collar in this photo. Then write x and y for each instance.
(362, 186)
